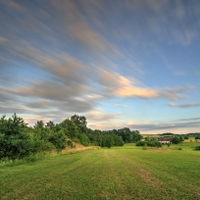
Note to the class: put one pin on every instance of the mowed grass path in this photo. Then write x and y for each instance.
(118, 173)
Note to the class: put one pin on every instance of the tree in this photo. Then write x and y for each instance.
(109, 141)
(118, 140)
(50, 125)
(12, 126)
(58, 139)
(186, 137)
(39, 125)
(128, 136)
(176, 140)
(15, 142)
(80, 122)
(70, 129)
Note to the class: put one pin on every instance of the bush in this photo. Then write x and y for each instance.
(186, 137)
(109, 141)
(140, 143)
(15, 141)
(118, 140)
(48, 147)
(84, 140)
(150, 143)
(197, 148)
(58, 139)
(70, 144)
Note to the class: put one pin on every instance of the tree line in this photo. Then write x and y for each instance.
(18, 140)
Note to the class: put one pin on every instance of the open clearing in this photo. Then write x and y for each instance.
(118, 173)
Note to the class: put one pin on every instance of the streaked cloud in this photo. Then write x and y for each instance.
(178, 126)
(185, 105)
(136, 91)
(100, 59)
(119, 85)
(105, 120)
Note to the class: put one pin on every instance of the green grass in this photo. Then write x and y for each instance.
(118, 173)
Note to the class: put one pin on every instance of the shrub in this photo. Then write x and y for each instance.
(197, 148)
(15, 142)
(70, 144)
(150, 143)
(140, 143)
(177, 139)
(186, 137)
(58, 139)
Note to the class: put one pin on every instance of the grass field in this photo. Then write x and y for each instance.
(126, 172)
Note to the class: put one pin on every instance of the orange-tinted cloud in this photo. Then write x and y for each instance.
(118, 85)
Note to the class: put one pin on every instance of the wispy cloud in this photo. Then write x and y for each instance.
(118, 85)
(185, 105)
(105, 120)
(61, 57)
(176, 126)
(169, 21)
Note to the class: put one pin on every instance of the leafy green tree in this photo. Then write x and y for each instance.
(58, 139)
(151, 142)
(197, 148)
(80, 122)
(118, 140)
(70, 129)
(41, 138)
(177, 140)
(136, 136)
(83, 138)
(41, 133)
(50, 125)
(140, 143)
(39, 125)
(128, 136)
(109, 141)
(197, 137)
(15, 142)
(186, 137)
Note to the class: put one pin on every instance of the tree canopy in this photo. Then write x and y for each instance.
(18, 140)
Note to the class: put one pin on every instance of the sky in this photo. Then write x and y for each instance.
(119, 63)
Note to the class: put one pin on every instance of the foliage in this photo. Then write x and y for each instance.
(58, 139)
(197, 148)
(167, 133)
(177, 139)
(109, 141)
(80, 122)
(140, 143)
(17, 140)
(70, 129)
(70, 144)
(151, 142)
(128, 136)
(14, 141)
(186, 137)
(118, 141)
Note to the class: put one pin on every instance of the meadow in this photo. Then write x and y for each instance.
(118, 173)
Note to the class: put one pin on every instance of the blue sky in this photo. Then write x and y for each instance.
(119, 63)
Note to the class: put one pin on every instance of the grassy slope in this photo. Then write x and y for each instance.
(118, 173)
